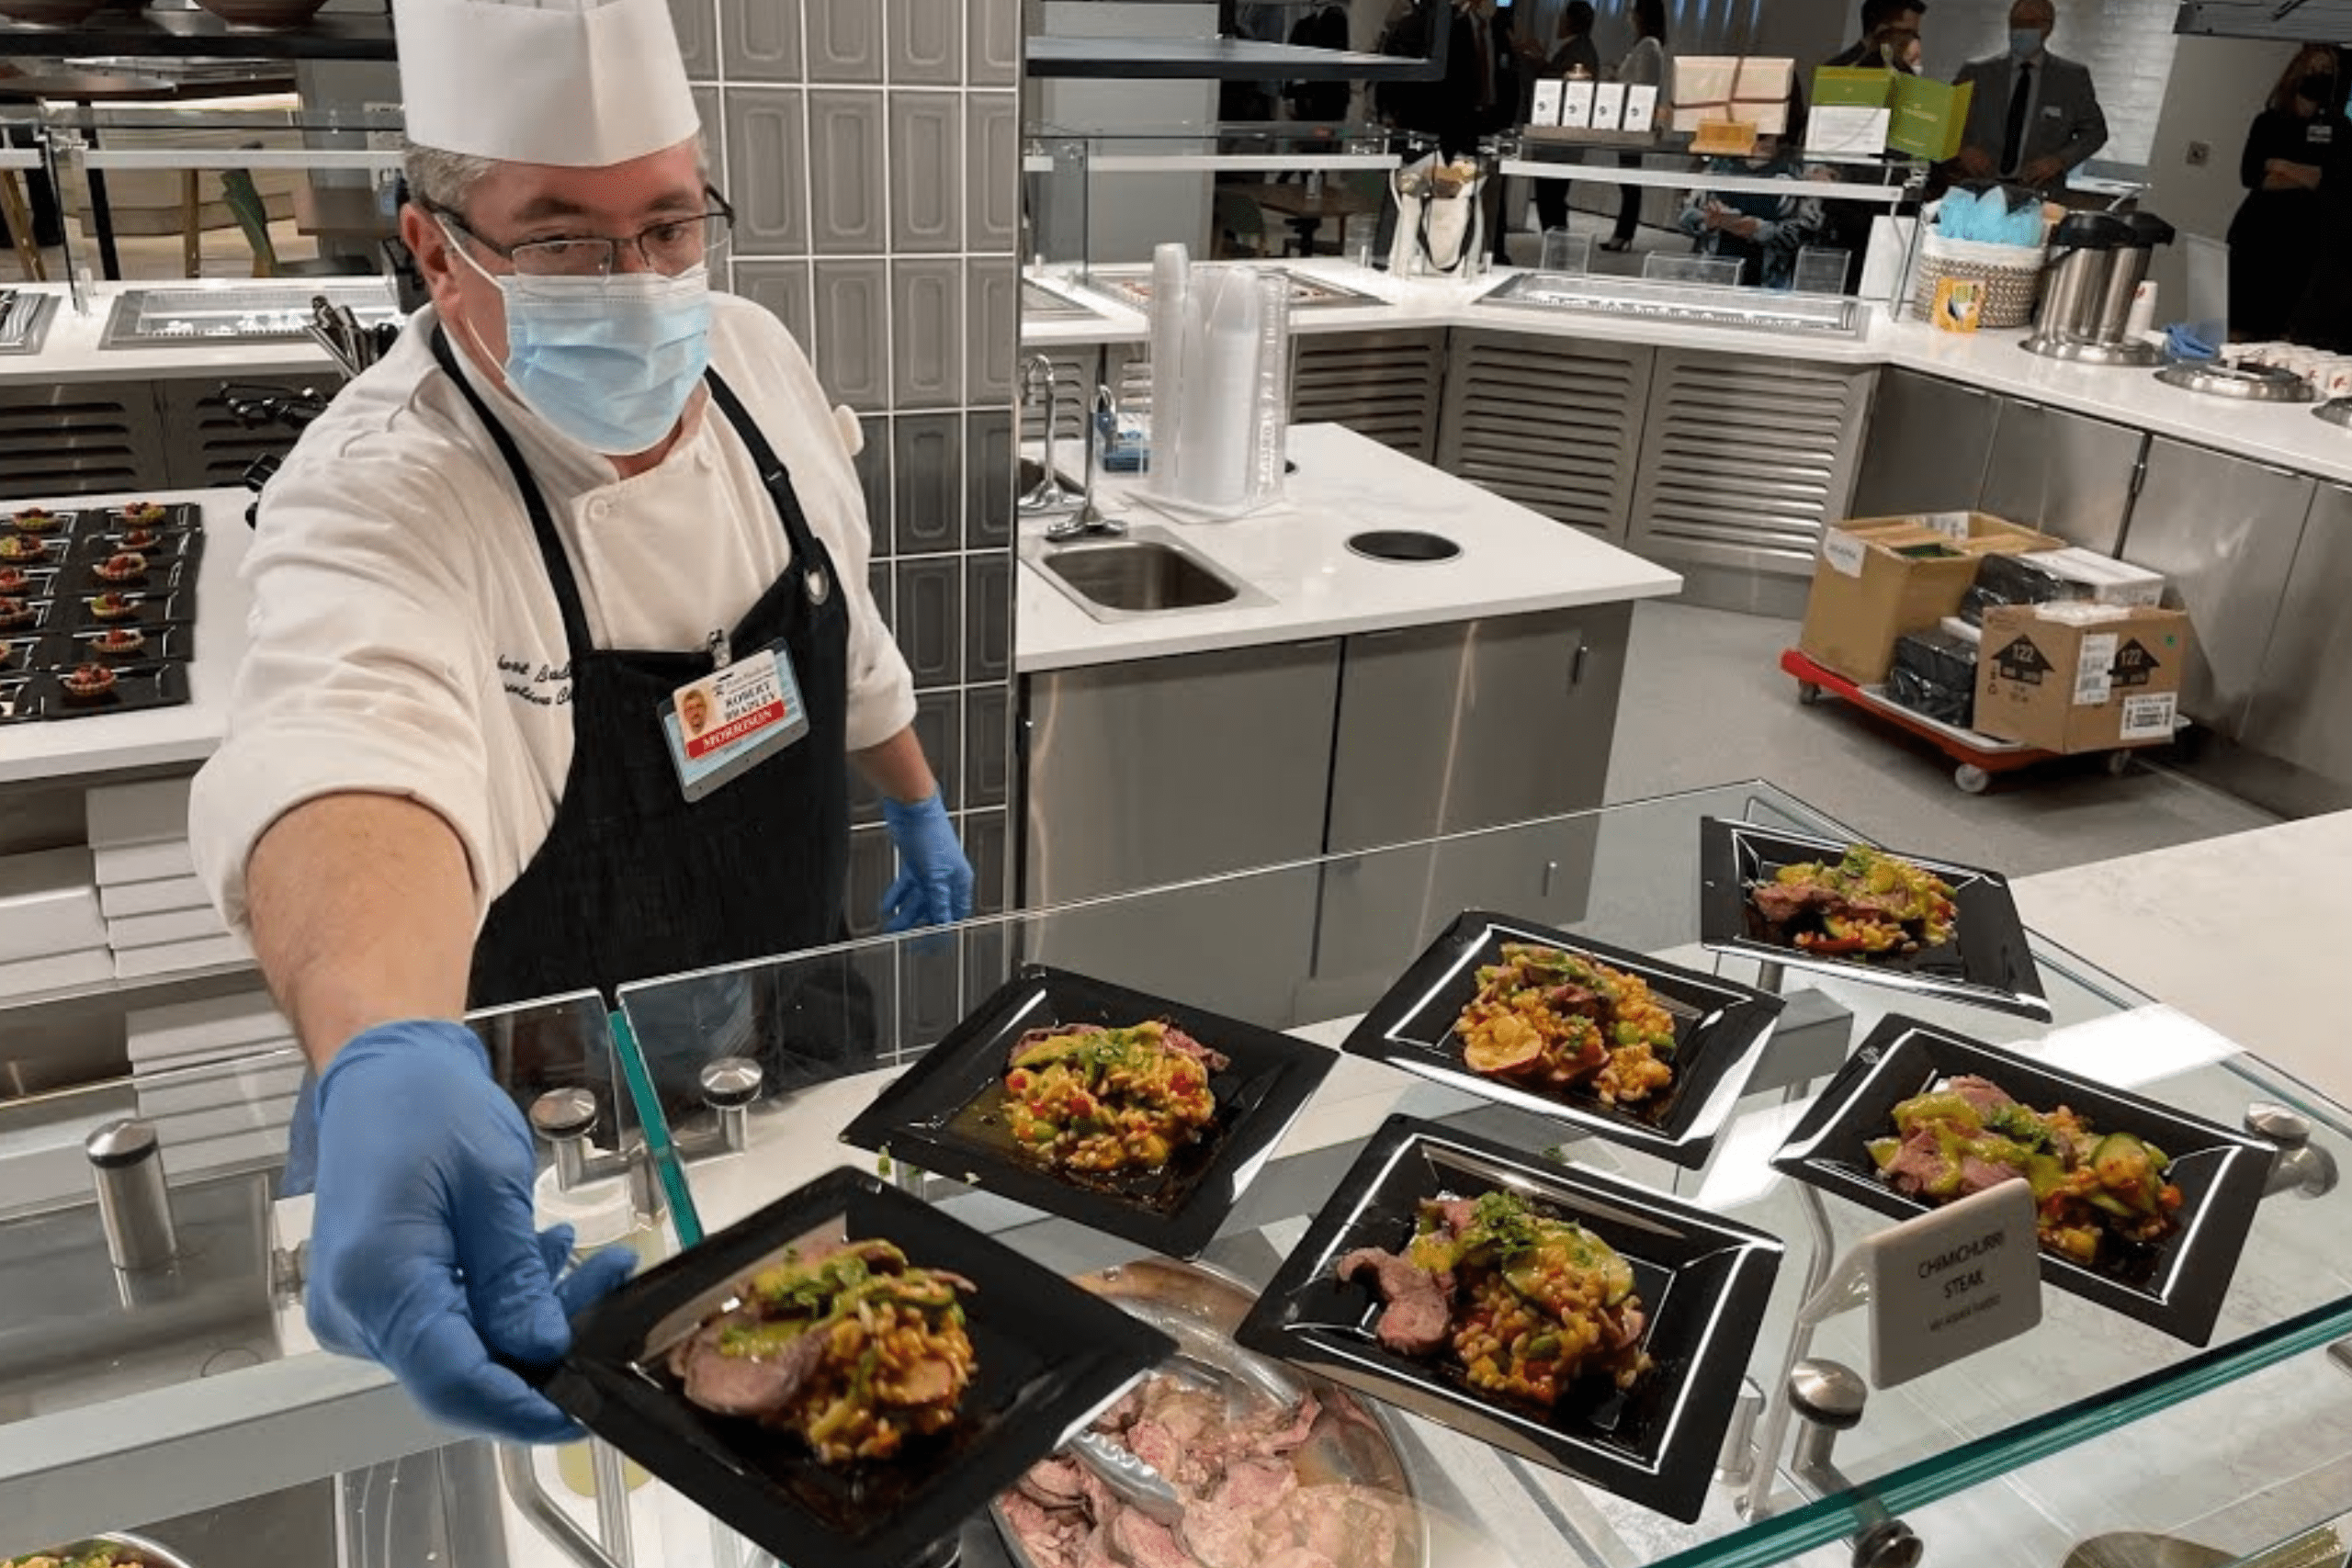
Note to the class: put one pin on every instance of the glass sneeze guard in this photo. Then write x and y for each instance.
(1307, 948)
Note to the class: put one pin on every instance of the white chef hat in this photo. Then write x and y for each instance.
(577, 83)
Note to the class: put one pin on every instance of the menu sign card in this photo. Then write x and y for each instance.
(1953, 1282)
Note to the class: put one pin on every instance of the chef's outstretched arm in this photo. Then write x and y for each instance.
(934, 886)
(425, 1251)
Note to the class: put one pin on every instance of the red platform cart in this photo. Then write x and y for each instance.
(1977, 757)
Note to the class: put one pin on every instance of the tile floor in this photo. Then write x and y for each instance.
(1705, 703)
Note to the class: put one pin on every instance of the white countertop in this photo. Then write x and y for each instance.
(1514, 561)
(109, 743)
(2245, 933)
(70, 351)
(2287, 436)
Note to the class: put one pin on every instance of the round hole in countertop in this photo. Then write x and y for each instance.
(1403, 545)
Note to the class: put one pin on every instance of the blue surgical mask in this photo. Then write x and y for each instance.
(611, 361)
(2026, 42)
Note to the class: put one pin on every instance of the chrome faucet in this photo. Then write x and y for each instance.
(1088, 522)
(1049, 494)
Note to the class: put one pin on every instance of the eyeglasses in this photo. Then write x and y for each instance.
(670, 247)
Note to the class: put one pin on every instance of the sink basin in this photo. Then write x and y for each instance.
(1146, 573)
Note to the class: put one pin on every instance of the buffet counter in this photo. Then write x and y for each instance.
(2097, 1418)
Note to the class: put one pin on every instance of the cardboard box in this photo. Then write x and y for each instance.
(2081, 677)
(1879, 578)
(1745, 89)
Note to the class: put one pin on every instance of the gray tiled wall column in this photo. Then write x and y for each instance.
(871, 148)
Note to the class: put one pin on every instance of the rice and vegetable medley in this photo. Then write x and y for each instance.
(1868, 903)
(1553, 1020)
(1103, 1101)
(98, 1555)
(851, 1348)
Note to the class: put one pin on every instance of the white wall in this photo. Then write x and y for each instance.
(2217, 87)
(1129, 214)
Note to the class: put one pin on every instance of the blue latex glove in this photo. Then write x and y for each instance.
(423, 1255)
(934, 881)
(2181, 342)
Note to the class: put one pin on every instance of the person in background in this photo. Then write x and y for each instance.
(1763, 232)
(1647, 64)
(2294, 149)
(1572, 52)
(2035, 117)
(1890, 37)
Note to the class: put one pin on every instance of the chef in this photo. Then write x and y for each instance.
(583, 497)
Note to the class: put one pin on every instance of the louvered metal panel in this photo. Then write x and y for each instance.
(1079, 370)
(205, 444)
(1385, 385)
(80, 438)
(1745, 460)
(1553, 423)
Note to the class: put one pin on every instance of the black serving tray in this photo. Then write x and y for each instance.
(1704, 1282)
(1050, 1356)
(937, 1114)
(64, 650)
(1987, 962)
(137, 687)
(1719, 1029)
(156, 611)
(2176, 1286)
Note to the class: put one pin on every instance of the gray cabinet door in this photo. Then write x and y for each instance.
(1146, 774)
(1384, 384)
(2224, 532)
(2063, 473)
(2299, 713)
(81, 438)
(1929, 440)
(1553, 423)
(1444, 729)
(1746, 459)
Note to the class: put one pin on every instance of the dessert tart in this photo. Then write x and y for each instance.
(87, 684)
(123, 566)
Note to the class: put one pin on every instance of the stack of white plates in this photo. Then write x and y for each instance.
(218, 1078)
(159, 917)
(52, 936)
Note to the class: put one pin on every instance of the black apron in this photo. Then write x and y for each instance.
(634, 880)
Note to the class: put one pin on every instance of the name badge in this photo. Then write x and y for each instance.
(730, 721)
(2050, 111)
(2320, 135)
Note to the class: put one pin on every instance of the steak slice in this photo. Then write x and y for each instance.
(1417, 1315)
(742, 1385)
(1142, 1543)
(1176, 1039)
(1053, 1483)
(1780, 903)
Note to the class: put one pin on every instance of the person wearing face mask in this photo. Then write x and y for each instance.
(2035, 117)
(2293, 150)
(582, 496)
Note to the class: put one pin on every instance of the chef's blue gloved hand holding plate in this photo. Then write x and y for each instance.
(934, 882)
(424, 1254)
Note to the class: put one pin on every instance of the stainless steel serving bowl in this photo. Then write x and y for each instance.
(129, 1548)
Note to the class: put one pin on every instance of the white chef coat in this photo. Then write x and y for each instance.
(406, 641)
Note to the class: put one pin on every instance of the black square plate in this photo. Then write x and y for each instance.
(2176, 1286)
(945, 1113)
(179, 516)
(136, 687)
(1718, 1027)
(64, 650)
(1987, 962)
(19, 699)
(1049, 1357)
(172, 545)
(49, 615)
(69, 520)
(1704, 1280)
(154, 611)
(166, 574)
(54, 550)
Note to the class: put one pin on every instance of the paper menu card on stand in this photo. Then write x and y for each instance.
(1545, 107)
(1607, 104)
(1929, 116)
(1641, 109)
(1845, 130)
(1575, 104)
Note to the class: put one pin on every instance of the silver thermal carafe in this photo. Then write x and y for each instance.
(2099, 259)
